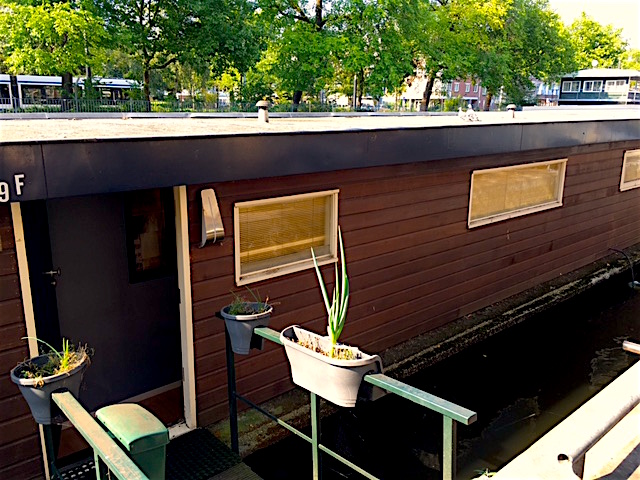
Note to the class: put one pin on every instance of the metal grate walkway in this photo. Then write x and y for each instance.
(196, 455)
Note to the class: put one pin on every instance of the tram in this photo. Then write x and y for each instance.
(24, 91)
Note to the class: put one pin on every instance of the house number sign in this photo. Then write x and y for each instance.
(5, 187)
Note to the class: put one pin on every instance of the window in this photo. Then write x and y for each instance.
(630, 170)
(475, 89)
(484, 90)
(467, 87)
(501, 193)
(149, 222)
(615, 86)
(592, 86)
(570, 87)
(274, 237)
(456, 87)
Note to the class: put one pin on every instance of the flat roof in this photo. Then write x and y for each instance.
(66, 127)
(62, 157)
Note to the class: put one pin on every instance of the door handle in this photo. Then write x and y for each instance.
(52, 273)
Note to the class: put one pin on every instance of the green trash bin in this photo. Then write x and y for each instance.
(140, 433)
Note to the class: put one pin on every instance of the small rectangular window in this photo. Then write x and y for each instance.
(148, 216)
(475, 89)
(570, 86)
(467, 87)
(502, 193)
(630, 170)
(592, 86)
(456, 87)
(274, 236)
(615, 86)
(484, 90)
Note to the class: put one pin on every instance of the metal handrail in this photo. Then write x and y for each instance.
(452, 414)
(105, 449)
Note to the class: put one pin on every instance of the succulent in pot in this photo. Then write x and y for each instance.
(242, 316)
(40, 376)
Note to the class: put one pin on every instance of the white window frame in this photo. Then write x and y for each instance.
(518, 212)
(634, 183)
(467, 87)
(615, 86)
(592, 86)
(244, 278)
(456, 87)
(475, 88)
(571, 86)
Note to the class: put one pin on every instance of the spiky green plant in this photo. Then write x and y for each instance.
(337, 309)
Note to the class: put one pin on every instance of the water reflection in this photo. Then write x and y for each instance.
(521, 383)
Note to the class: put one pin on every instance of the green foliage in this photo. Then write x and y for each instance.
(241, 306)
(337, 308)
(631, 59)
(593, 41)
(48, 38)
(58, 361)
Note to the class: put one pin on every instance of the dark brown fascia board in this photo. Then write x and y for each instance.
(58, 169)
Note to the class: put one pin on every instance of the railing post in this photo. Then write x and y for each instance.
(231, 391)
(449, 448)
(315, 437)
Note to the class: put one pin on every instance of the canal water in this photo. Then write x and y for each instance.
(521, 382)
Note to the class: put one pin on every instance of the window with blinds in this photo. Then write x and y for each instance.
(630, 170)
(501, 193)
(274, 236)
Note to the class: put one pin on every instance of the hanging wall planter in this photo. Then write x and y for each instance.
(338, 378)
(37, 385)
(241, 318)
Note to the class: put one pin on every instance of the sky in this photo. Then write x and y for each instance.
(623, 14)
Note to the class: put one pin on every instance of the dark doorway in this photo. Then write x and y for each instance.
(128, 315)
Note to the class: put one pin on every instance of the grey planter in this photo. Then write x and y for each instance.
(338, 381)
(240, 327)
(39, 397)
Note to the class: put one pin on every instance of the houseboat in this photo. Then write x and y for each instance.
(601, 86)
(104, 238)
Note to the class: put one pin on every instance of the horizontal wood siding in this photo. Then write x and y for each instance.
(20, 452)
(413, 263)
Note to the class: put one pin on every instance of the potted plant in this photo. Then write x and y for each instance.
(321, 364)
(38, 377)
(242, 316)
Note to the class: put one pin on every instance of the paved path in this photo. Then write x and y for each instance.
(616, 455)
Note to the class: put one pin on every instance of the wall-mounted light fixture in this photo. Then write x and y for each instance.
(212, 228)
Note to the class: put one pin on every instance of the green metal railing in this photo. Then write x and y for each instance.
(452, 414)
(107, 454)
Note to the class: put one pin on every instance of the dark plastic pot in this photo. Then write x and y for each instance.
(39, 397)
(240, 327)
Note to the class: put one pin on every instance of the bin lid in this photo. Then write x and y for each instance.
(135, 427)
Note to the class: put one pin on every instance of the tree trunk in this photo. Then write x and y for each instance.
(297, 96)
(146, 80)
(426, 95)
(487, 101)
(67, 90)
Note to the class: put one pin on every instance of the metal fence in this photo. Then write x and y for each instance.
(82, 105)
(452, 414)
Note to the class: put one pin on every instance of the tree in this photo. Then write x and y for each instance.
(595, 42)
(531, 43)
(48, 38)
(199, 33)
(305, 44)
(448, 34)
(631, 59)
(373, 48)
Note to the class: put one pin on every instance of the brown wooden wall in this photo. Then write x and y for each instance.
(20, 452)
(413, 263)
